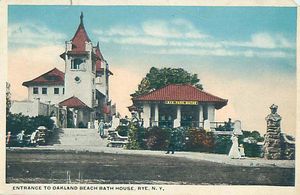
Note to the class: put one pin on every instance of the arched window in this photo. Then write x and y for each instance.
(75, 63)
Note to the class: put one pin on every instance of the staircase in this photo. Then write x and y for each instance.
(79, 137)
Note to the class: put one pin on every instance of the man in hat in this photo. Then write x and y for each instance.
(172, 142)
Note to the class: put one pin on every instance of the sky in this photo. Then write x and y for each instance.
(244, 54)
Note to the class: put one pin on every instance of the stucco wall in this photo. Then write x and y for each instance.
(50, 96)
(83, 89)
(28, 108)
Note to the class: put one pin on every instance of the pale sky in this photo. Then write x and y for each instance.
(246, 55)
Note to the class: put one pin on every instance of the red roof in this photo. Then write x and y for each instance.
(181, 92)
(73, 102)
(52, 77)
(99, 57)
(80, 37)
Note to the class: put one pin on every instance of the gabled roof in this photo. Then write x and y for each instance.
(52, 77)
(182, 92)
(80, 37)
(73, 102)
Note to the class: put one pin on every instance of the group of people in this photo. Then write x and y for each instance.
(20, 138)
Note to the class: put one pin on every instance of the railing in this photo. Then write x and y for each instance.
(170, 123)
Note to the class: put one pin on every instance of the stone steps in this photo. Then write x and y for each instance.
(79, 137)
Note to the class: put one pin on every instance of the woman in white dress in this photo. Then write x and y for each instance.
(234, 150)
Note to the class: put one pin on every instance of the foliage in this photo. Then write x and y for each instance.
(222, 144)
(157, 138)
(252, 150)
(188, 139)
(158, 78)
(81, 125)
(199, 140)
(15, 123)
(122, 130)
(136, 136)
(254, 135)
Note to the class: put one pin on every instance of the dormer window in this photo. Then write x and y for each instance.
(76, 63)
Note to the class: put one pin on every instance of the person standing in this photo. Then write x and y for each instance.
(20, 138)
(101, 128)
(54, 119)
(34, 137)
(234, 150)
(61, 118)
(242, 151)
(8, 137)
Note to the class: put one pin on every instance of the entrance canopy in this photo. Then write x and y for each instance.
(74, 102)
(181, 94)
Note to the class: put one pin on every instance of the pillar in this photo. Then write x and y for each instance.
(156, 114)
(146, 115)
(200, 115)
(211, 113)
(177, 121)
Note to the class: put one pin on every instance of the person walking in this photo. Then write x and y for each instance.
(172, 142)
(234, 150)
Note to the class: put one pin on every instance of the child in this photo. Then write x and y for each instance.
(242, 151)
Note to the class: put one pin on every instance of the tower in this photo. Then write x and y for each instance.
(80, 67)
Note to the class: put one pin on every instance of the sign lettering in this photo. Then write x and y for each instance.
(182, 102)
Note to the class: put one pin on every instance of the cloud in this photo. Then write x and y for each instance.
(221, 52)
(178, 28)
(119, 30)
(141, 41)
(33, 35)
(181, 37)
(263, 40)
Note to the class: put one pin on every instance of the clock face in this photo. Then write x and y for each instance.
(77, 79)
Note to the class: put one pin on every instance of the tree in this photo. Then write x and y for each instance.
(8, 98)
(158, 78)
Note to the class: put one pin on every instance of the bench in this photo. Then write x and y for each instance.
(116, 140)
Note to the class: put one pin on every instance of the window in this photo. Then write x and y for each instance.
(35, 90)
(63, 90)
(75, 63)
(44, 90)
(56, 90)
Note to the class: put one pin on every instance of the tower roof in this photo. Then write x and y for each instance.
(52, 77)
(80, 37)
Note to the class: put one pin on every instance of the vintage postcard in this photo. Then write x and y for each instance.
(149, 97)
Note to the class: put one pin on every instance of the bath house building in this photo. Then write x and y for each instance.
(83, 87)
(178, 105)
